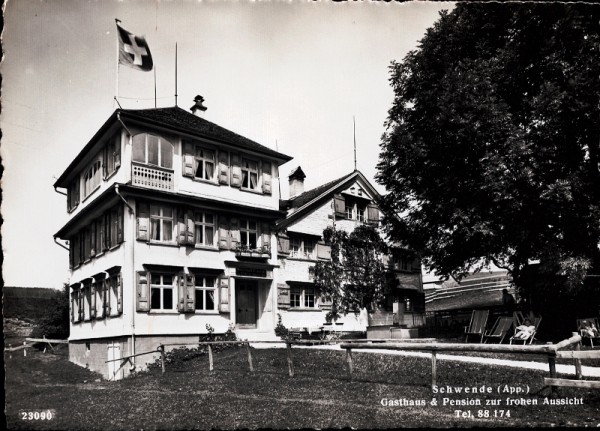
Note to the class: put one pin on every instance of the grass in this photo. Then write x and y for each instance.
(321, 395)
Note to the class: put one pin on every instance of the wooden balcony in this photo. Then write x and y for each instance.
(151, 177)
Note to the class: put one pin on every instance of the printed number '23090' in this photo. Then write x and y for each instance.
(37, 415)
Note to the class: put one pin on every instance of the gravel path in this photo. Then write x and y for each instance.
(531, 365)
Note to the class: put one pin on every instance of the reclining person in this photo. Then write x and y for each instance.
(588, 329)
(524, 331)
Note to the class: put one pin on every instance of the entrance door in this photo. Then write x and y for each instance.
(114, 367)
(246, 298)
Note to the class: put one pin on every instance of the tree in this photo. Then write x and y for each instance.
(491, 152)
(355, 278)
(55, 321)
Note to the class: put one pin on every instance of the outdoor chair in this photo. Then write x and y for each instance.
(499, 330)
(535, 322)
(477, 325)
(588, 328)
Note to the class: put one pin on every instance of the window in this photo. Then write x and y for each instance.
(355, 211)
(249, 174)
(112, 155)
(152, 150)
(205, 164)
(161, 223)
(114, 295)
(73, 194)
(350, 212)
(205, 293)
(87, 302)
(302, 248)
(161, 292)
(360, 213)
(303, 297)
(91, 178)
(248, 234)
(205, 229)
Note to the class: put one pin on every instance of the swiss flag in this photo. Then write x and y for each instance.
(133, 50)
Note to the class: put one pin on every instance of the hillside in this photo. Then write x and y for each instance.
(27, 303)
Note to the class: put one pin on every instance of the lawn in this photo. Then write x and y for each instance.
(321, 395)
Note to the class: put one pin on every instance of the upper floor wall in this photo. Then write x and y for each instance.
(155, 159)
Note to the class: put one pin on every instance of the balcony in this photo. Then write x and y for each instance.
(245, 252)
(151, 177)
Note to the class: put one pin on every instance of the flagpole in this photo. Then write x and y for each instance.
(175, 73)
(117, 21)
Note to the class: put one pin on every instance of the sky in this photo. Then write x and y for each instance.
(290, 75)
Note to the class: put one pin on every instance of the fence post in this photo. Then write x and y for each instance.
(349, 360)
(10, 350)
(162, 358)
(24, 348)
(552, 366)
(210, 358)
(577, 348)
(289, 359)
(433, 368)
(249, 357)
(43, 338)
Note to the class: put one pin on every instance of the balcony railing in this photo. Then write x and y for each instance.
(151, 177)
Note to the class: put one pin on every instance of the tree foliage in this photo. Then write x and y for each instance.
(491, 152)
(355, 278)
(55, 320)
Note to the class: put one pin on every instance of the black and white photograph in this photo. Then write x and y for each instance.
(294, 214)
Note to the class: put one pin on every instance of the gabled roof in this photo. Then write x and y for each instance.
(308, 200)
(176, 120)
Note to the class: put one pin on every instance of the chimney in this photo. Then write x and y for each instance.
(198, 106)
(296, 182)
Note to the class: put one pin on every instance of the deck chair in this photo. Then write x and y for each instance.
(477, 326)
(535, 322)
(584, 326)
(499, 330)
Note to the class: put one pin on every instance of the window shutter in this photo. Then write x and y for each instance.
(73, 306)
(93, 300)
(283, 243)
(234, 233)
(190, 294)
(119, 282)
(105, 231)
(81, 237)
(120, 209)
(106, 153)
(114, 229)
(223, 233)
(143, 221)
(236, 170)
(188, 165)
(106, 294)
(224, 295)
(98, 224)
(283, 296)
(339, 205)
(71, 253)
(190, 230)
(372, 214)
(76, 192)
(266, 177)
(181, 292)
(265, 237)
(323, 251)
(143, 291)
(117, 153)
(223, 167)
(80, 306)
(181, 227)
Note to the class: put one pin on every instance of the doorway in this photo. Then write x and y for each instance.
(246, 292)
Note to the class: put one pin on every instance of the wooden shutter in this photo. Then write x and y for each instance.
(106, 294)
(190, 293)
(223, 167)
(265, 235)
(266, 177)
(143, 291)
(236, 170)
(339, 205)
(71, 253)
(224, 306)
(73, 306)
(372, 214)
(81, 306)
(181, 292)
(283, 243)
(117, 151)
(283, 296)
(323, 251)
(92, 239)
(143, 221)
(234, 233)
(92, 290)
(120, 209)
(223, 233)
(190, 228)
(114, 229)
(119, 283)
(188, 165)
(99, 244)
(106, 231)
(181, 226)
